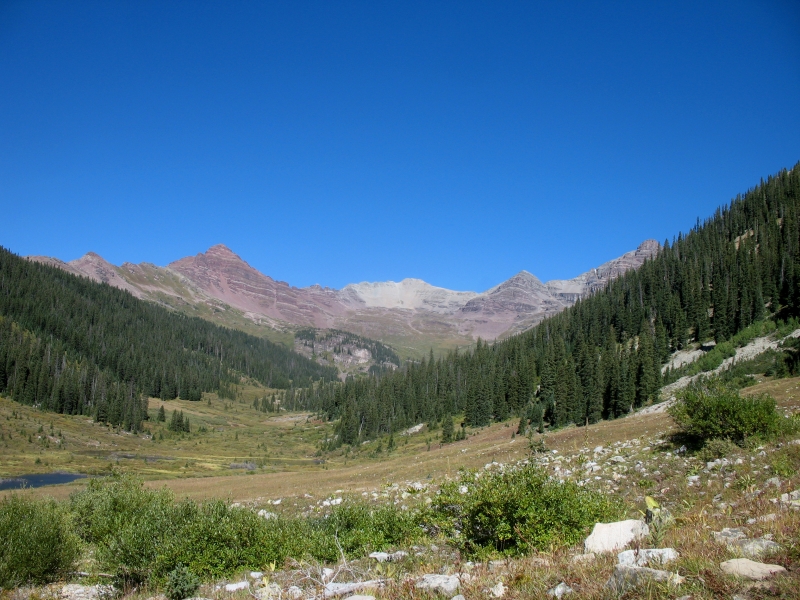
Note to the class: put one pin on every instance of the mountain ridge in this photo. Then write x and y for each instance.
(410, 314)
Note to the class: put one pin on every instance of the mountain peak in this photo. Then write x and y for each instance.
(221, 251)
(220, 248)
(648, 247)
(525, 276)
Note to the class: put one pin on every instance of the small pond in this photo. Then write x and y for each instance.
(37, 480)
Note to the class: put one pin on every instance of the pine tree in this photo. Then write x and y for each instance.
(447, 429)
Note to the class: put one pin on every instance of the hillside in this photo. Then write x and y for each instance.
(602, 357)
(72, 345)
(412, 316)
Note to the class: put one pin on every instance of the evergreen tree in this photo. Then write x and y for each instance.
(447, 429)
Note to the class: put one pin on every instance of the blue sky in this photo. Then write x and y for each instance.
(336, 142)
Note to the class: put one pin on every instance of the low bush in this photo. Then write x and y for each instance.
(142, 534)
(181, 584)
(786, 461)
(516, 512)
(127, 524)
(37, 544)
(360, 529)
(717, 448)
(713, 410)
(712, 359)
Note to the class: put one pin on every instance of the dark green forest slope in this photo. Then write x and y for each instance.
(71, 345)
(602, 357)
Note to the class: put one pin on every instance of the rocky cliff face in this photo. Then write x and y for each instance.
(223, 275)
(570, 290)
(411, 314)
(409, 294)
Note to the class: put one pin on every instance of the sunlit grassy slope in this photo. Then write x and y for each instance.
(283, 447)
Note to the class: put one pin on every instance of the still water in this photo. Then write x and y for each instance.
(38, 480)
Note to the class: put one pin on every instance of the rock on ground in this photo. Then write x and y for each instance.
(273, 590)
(626, 577)
(294, 592)
(73, 591)
(609, 537)
(749, 569)
(340, 589)
(562, 589)
(645, 557)
(446, 584)
(235, 587)
(584, 558)
(499, 590)
(756, 548)
(730, 535)
(388, 557)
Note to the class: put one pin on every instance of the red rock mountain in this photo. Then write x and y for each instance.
(411, 315)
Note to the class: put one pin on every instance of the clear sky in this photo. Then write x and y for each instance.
(335, 142)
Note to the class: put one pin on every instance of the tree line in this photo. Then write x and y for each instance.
(602, 357)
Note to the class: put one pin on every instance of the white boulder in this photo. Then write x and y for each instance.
(340, 589)
(73, 591)
(562, 589)
(446, 584)
(610, 537)
(626, 577)
(647, 557)
(388, 556)
(749, 569)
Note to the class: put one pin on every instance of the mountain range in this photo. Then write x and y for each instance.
(410, 315)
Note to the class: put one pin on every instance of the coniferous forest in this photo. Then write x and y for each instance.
(70, 345)
(602, 357)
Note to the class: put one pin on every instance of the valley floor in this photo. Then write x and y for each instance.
(629, 458)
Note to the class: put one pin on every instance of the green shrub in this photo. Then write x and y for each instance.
(712, 410)
(516, 512)
(713, 358)
(127, 524)
(717, 448)
(36, 541)
(214, 539)
(141, 534)
(786, 461)
(181, 583)
(361, 528)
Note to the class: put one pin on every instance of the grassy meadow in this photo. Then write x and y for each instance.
(283, 448)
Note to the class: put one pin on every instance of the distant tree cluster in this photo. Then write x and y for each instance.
(179, 423)
(602, 357)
